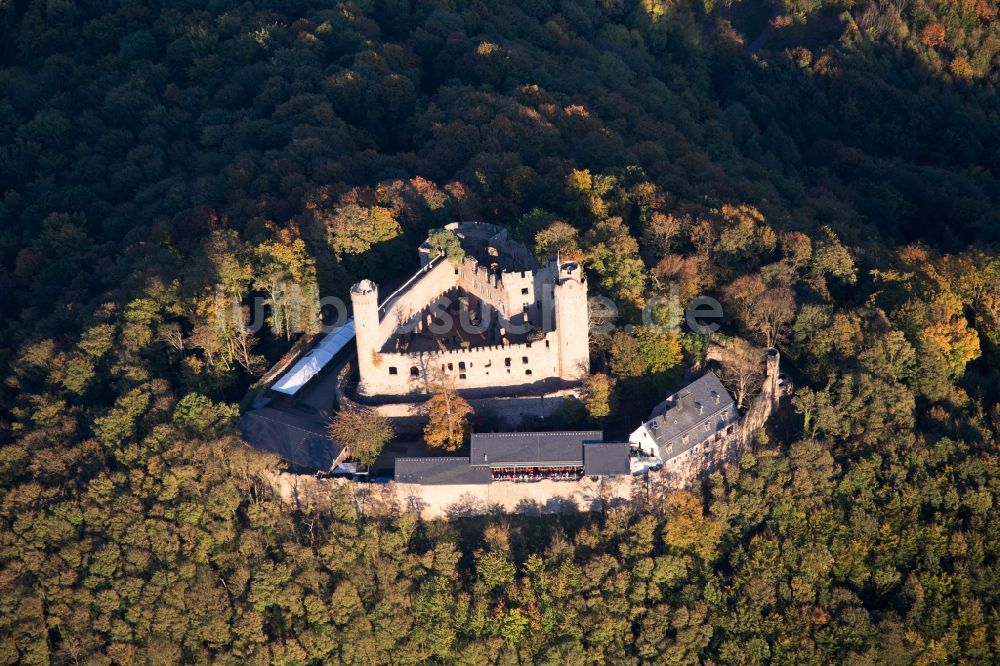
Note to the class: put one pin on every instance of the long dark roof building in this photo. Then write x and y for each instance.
(440, 471)
(531, 449)
(532, 455)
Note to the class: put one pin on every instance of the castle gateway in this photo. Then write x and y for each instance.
(494, 321)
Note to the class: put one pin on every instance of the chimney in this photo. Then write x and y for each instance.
(715, 397)
(700, 407)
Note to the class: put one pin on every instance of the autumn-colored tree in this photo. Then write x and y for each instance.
(559, 237)
(772, 313)
(148, 156)
(796, 247)
(448, 417)
(659, 349)
(956, 341)
(597, 393)
(286, 272)
(743, 233)
(763, 309)
(933, 35)
(625, 360)
(743, 295)
(687, 528)
(663, 231)
(362, 430)
(579, 180)
(830, 259)
(961, 68)
(703, 236)
(685, 272)
(975, 277)
(742, 370)
(355, 229)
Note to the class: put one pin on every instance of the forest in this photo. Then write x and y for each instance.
(827, 169)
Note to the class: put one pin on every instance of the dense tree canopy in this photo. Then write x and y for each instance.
(180, 183)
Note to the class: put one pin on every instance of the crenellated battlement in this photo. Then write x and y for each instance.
(509, 348)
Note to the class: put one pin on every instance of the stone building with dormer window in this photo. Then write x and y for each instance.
(699, 417)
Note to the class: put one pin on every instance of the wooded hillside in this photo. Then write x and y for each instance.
(828, 170)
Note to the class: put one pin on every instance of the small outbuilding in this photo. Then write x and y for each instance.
(299, 440)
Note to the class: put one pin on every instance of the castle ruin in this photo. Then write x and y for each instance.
(493, 322)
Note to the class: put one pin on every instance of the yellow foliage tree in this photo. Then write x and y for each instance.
(580, 181)
(597, 393)
(448, 418)
(958, 343)
(686, 526)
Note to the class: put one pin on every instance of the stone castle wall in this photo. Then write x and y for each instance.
(553, 298)
(510, 412)
(499, 366)
(452, 502)
(762, 406)
(401, 307)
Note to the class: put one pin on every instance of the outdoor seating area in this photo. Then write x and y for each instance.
(528, 474)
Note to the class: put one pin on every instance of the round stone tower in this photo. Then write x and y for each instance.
(364, 301)
(572, 323)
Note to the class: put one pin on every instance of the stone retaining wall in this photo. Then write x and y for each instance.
(510, 412)
(461, 501)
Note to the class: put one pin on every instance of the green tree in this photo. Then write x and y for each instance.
(445, 240)
(558, 238)
(204, 418)
(613, 254)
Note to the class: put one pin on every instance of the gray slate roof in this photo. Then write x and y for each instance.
(512, 449)
(440, 471)
(606, 459)
(300, 440)
(680, 412)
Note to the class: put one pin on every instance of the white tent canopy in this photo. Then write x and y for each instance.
(311, 363)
